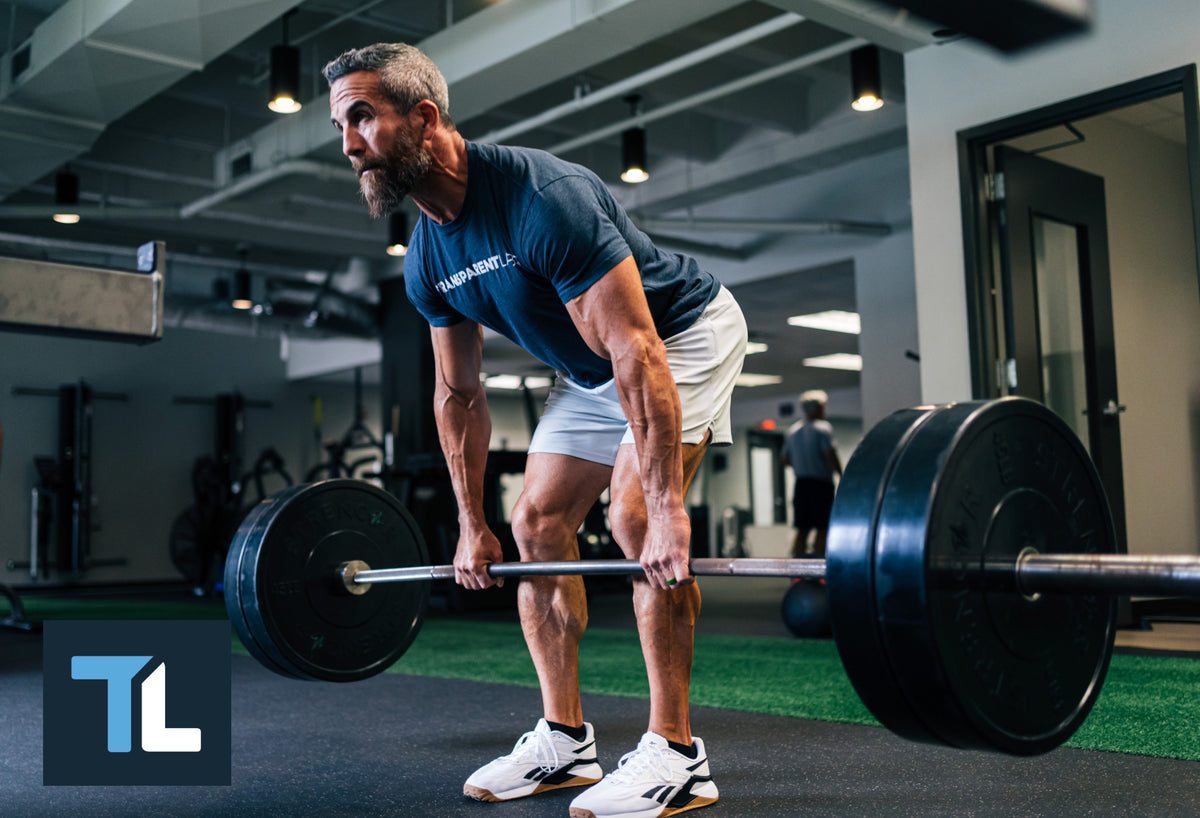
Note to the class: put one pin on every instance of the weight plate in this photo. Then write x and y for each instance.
(295, 606)
(985, 667)
(850, 571)
(247, 532)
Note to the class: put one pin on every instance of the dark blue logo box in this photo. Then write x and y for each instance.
(100, 678)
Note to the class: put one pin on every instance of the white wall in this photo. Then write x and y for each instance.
(961, 85)
(1156, 326)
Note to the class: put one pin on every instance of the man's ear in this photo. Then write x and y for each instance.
(428, 114)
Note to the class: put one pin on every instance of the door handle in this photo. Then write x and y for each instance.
(1111, 409)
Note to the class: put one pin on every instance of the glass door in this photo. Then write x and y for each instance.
(1056, 300)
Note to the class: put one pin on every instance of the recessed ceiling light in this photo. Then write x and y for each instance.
(755, 346)
(838, 360)
(832, 320)
(753, 379)
(514, 382)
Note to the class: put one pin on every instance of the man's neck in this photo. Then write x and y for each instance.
(441, 192)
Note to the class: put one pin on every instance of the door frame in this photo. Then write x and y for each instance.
(978, 243)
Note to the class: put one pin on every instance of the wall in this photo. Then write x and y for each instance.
(961, 85)
(144, 447)
(1156, 324)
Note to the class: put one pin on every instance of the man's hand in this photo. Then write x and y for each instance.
(475, 552)
(665, 557)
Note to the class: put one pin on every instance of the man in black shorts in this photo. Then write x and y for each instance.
(809, 450)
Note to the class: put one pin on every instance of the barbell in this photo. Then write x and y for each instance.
(971, 569)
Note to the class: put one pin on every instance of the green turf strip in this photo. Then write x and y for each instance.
(1148, 705)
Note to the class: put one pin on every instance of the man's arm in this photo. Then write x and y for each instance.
(835, 462)
(465, 431)
(614, 319)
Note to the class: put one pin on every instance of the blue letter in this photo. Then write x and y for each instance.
(118, 671)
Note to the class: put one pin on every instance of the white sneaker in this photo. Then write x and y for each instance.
(542, 759)
(651, 782)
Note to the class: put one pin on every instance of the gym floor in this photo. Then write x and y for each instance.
(401, 746)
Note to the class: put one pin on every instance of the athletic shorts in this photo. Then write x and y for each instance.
(812, 501)
(705, 361)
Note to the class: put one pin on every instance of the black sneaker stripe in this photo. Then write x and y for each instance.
(584, 747)
(697, 765)
(685, 796)
(652, 792)
(565, 772)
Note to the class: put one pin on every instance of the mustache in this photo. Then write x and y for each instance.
(361, 167)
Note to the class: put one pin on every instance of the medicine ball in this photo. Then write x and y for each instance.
(805, 610)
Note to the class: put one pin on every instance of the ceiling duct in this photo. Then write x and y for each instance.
(89, 63)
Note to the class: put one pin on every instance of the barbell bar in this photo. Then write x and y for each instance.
(1031, 574)
(971, 570)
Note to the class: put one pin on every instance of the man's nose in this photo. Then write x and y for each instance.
(352, 143)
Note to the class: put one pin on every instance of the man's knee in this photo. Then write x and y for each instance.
(628, 524)
(541, 535)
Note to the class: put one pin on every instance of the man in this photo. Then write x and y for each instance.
(538, 250)
(809, 450)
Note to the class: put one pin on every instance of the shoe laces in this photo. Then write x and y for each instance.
(647, 760)
(536, 746)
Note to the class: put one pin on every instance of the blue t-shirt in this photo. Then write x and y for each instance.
(533, 233)
(805, 446)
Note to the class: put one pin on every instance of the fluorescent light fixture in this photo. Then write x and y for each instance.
(753, 347)
(838, 360)
(514, 382)
(832, 320)
(753, 379)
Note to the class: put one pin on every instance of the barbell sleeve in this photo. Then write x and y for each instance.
(1120, 574)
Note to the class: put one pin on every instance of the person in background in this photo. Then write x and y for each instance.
(810, 451)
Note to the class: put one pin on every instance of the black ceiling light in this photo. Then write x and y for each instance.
(633, 148)
(241, 287)
(867, 93)
(66, 196)
(397, 234)
(285, 75)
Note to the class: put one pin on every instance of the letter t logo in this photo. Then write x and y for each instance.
(119, 671)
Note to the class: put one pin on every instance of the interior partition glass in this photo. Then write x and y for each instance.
(1060, 322)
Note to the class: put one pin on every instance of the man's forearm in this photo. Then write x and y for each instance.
(651, 404)
(465, 432)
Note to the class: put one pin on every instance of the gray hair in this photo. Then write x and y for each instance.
(812, 401)
(406, 75)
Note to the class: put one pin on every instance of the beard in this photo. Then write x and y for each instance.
(397, 172)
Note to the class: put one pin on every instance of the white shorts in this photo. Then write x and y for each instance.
(705, 361)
